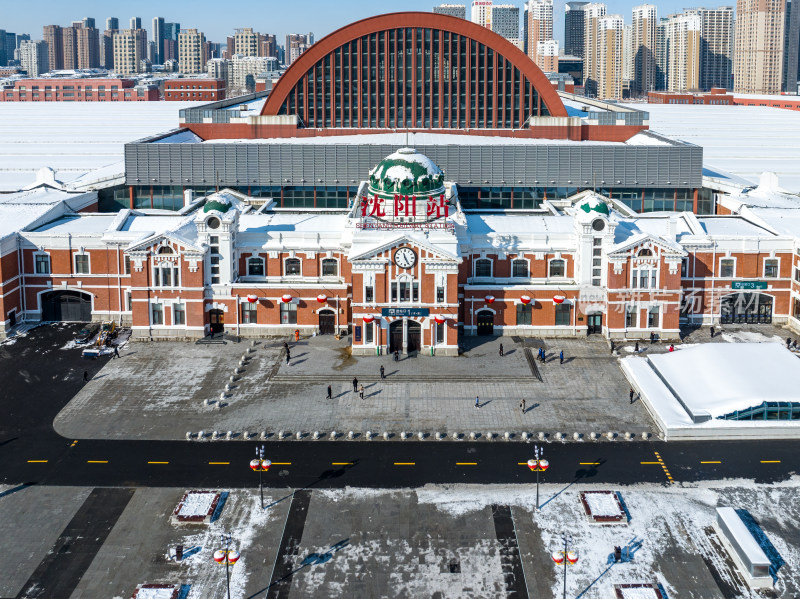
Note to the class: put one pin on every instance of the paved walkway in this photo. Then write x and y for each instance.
(157, 390)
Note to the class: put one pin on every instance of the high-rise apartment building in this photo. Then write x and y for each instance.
(296, 44)
(573, 28)
(88, 47)
(643, 46)
(136, 22)
(130, 46)
(609, 57)
(70, 44)
(758, 54)
(107, 43)
(537, 26)
(791, 47)
(505, 22)
(53, 37)
(191, 51)
(454, 10)
(267, 45)
(481, 13)
(242, 71)
(246, 41)
(593, 12)
(33, 57)
(547, 54)
(112, 24)
(627, 53)
(158, 39)
(716, 46)
(88, 22)
(679, 52)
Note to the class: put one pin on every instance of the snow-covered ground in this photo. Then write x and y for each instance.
(196, 503)
(601, 503)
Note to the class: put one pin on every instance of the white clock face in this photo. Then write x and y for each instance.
(405, 258)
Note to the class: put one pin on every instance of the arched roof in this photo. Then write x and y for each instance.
(324, 49)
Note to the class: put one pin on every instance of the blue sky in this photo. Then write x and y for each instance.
(218, 19)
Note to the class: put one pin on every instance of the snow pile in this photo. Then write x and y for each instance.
(639, 593)
(399, 173)
(196, 504)
(156, 592)
(750, 337)
(411, 155)
(602, 503)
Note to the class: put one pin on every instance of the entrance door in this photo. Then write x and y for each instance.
(594, 323)
(752, 308)
(396, 336)
(485, 322)
(414, 336)
(12, 318)
(217, 321)
(68, 306)
(327, 323)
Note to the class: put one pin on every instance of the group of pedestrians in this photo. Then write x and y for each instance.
(791, 344)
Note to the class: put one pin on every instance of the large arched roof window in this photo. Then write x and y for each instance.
(414, 70)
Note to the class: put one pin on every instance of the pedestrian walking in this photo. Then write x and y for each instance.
(477, 402)
(396, 356)
(116, 352)
(630, 395)
(383, 372)
(788, 342)
(355, 384)
(671, 348)
(287, 357)
(652, 337)
(286, 346)
(561, 357)
(501, 350)
(330, 392)
(297, 335)
(522, 405)
(361, 391)
(612, 346)
(636, 348)
(712, 332)
(85, 376)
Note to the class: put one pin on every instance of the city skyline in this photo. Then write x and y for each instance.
(322, 18)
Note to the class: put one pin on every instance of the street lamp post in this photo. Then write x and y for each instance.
(261, 465)
(228, 557)
(565, 556)
(538, 465)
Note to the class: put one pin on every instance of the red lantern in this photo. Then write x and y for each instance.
(543, 465)
(265, 464)
(525, 299)
(489, 299)
(252, 298)
(558, 299)
(286, 298)
(439, 318)
(255, 464)
(533, 464)
(233, 556)
(558, 557)
(322, 298)
(369, 318)
(219, 556)
(572, 556)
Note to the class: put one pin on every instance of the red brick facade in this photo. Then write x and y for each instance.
(183, 90)
(78, 90)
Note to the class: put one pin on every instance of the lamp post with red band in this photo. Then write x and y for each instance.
(538, 465)
(227, 557)
(260, 465)
(565, 556)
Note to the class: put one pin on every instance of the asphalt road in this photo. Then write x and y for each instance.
(37, 380)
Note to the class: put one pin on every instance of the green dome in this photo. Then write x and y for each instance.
(220, 205)
(406, 172)
(594, 204)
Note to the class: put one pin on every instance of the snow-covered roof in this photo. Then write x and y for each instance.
(78, 224)
(29, 209)
(74, 138)
(742, 140)
(732, 226)
(505, 224)
(292, 221)
(720, 378)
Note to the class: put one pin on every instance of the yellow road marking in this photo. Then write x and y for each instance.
(466, 463)
(770, 461)
(281, 463)
(341, 463)
(657, 463)
(97, 461)
(522, 463)
(37, 461)
(74, 443)
(219, 463)
(589, 463)
(664, 466)
(710, 462)
(405, 464)
(158, 462)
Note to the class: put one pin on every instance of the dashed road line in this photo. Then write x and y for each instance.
(651, 463)
(281, 463)
(97, 461)
(466, 463)
(158, 462)
(37, 461)
(341, 463)
(590, 463)
(664, 466)
(405, 463)
(711, 462)
(219, 463)
(770, 461)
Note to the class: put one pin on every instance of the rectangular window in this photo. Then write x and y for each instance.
(439, 333)
(630, 317)
(127, 265)
(129, 300)
(42, 264)
(643, 279)
(726, 269)
(771, 268)
(684, 268)
(179, 314)
(405, 291)
(415, 291)
(524, 314)
(440, 295)
(288, 313)
(653, 319)
(368, 333)
(520, 269)
(249, 313)
(369, 294)
(394, 292)
(563, 315)
(158, 314)
(82, 264)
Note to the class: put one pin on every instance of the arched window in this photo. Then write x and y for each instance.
(519, 268)
(483, 267)
(291, 266)
(645, 252)
(255, 267)
(558, 268)
(330, 267)
(165, 249)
